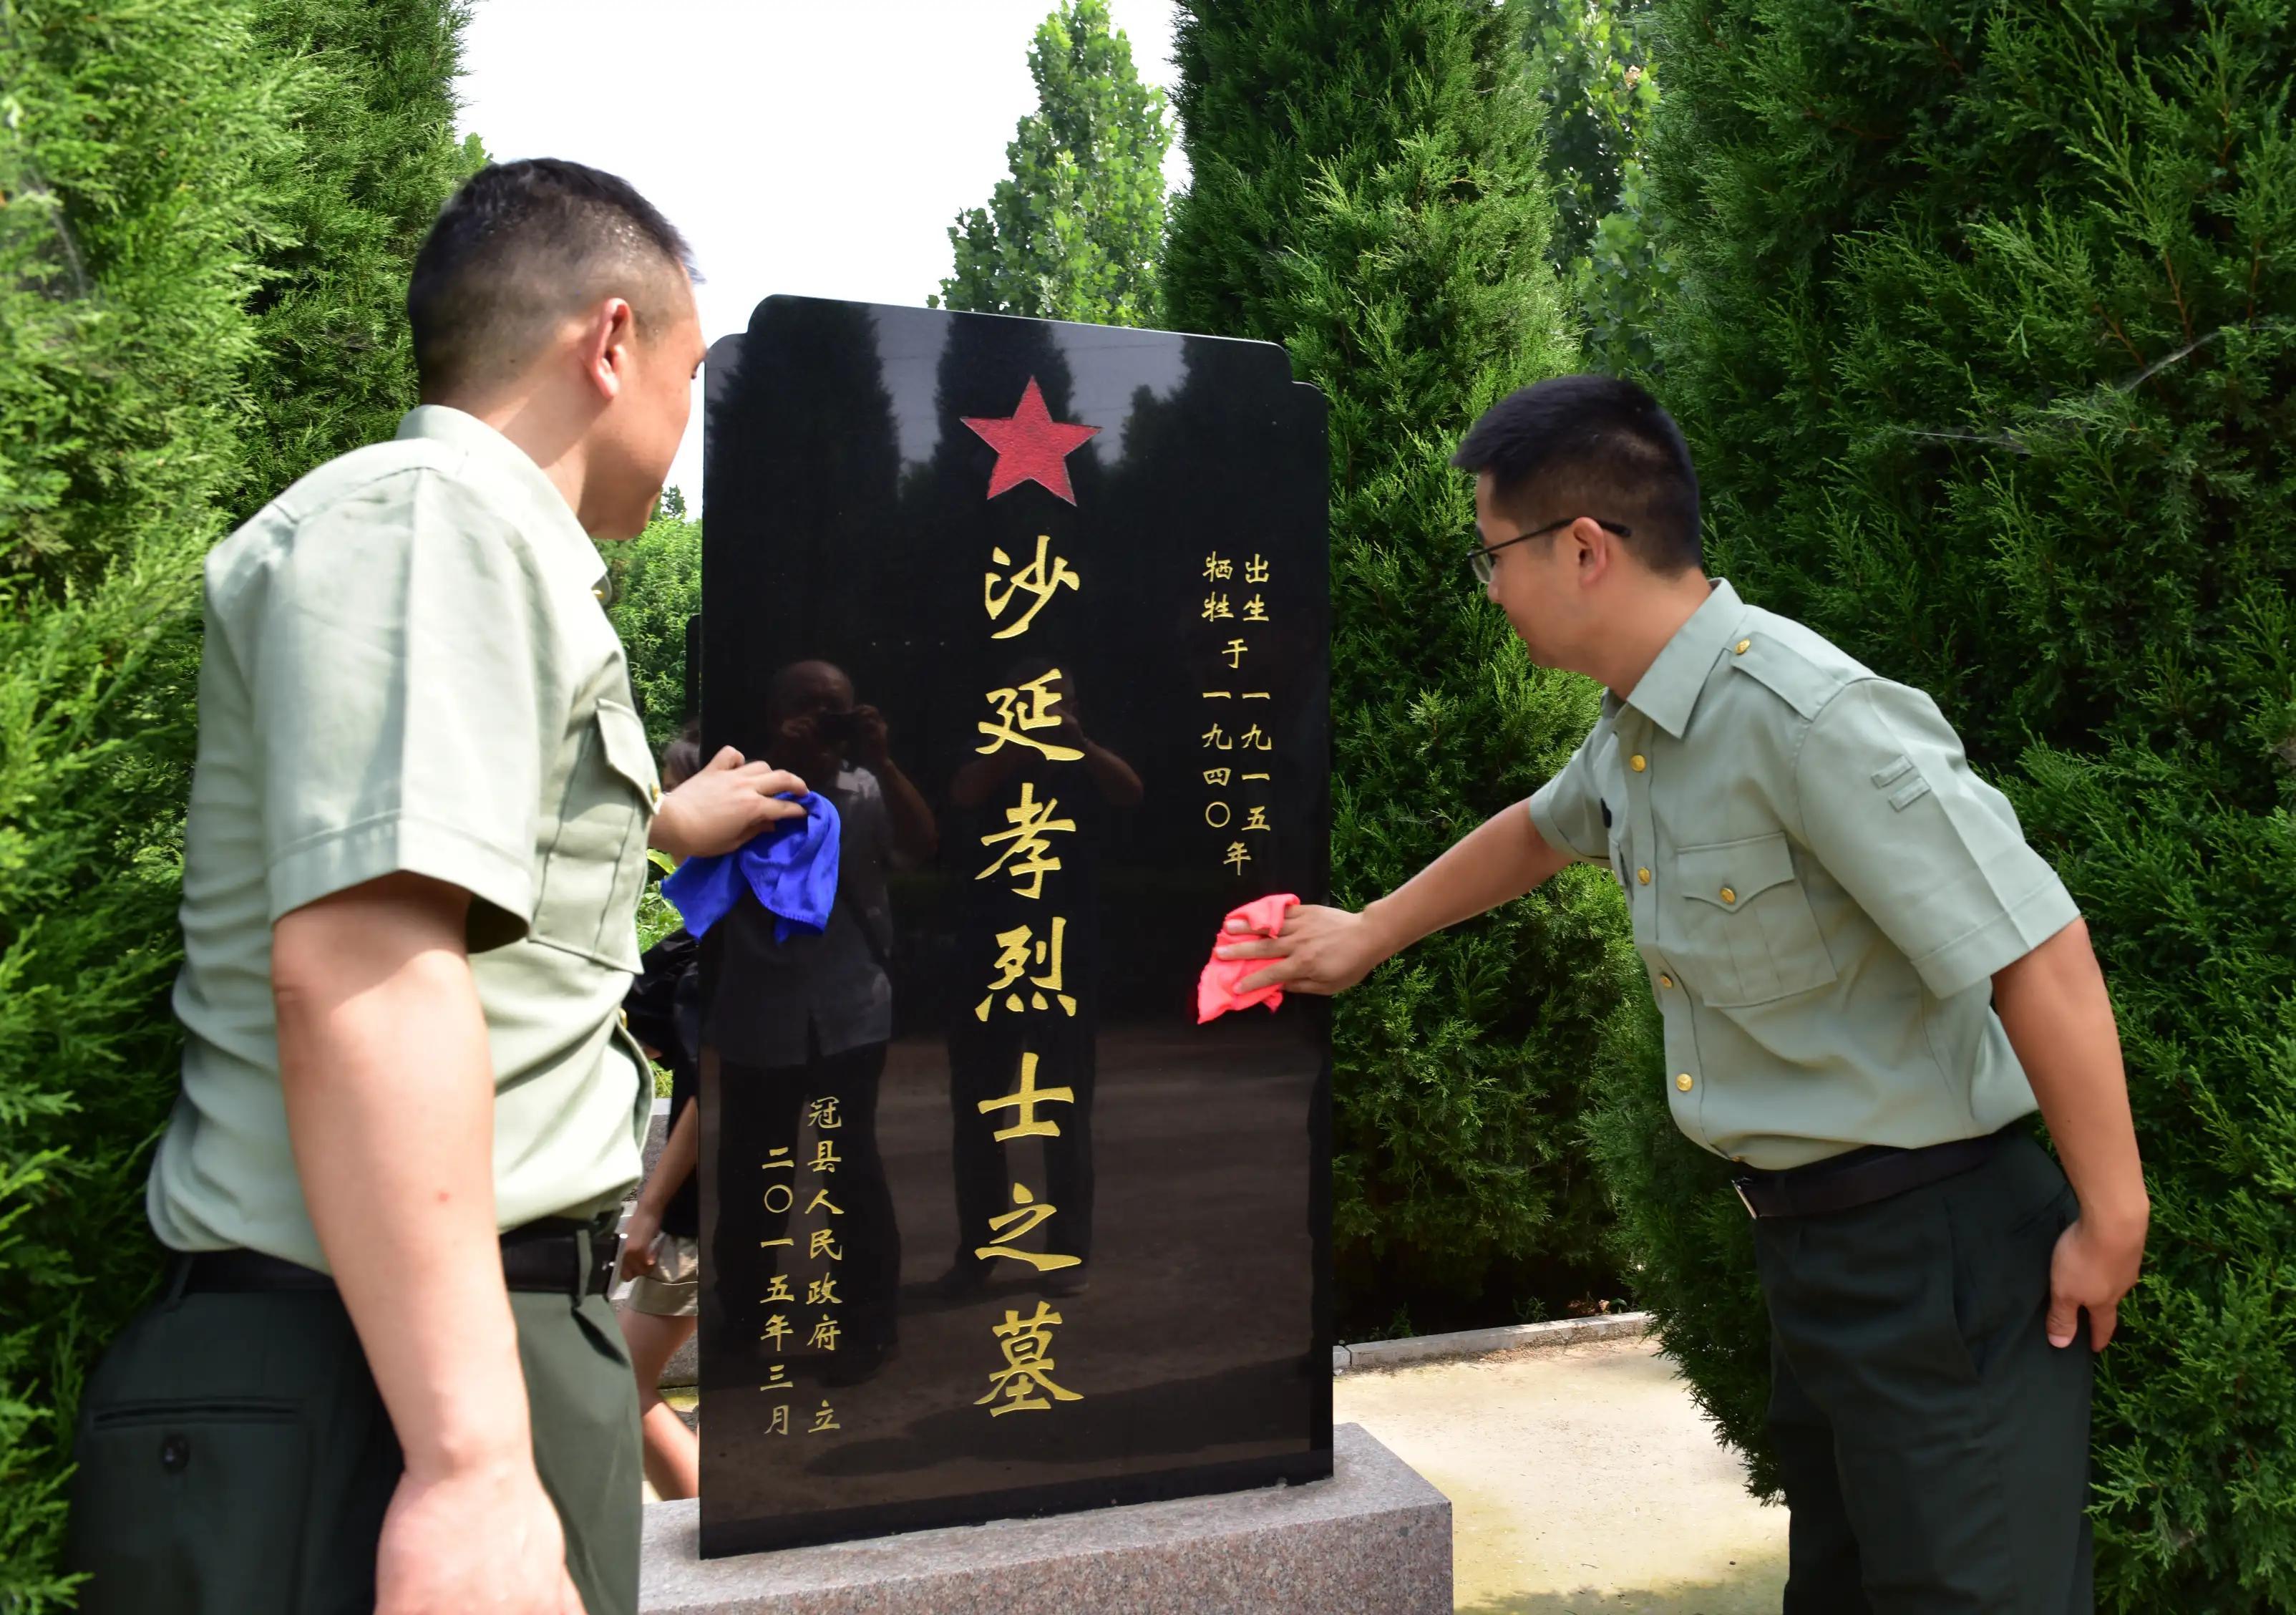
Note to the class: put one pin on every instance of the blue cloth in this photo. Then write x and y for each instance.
(792, 866)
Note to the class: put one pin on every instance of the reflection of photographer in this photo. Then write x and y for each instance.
(806, 1019)
(820, 723)
(1114, 780)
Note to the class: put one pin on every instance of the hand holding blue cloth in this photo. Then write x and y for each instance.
(792, 866)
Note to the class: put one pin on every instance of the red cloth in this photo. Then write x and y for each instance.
(1216, 993)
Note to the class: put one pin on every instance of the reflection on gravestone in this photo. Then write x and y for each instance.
(990, 1226)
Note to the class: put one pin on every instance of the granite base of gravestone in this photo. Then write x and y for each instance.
(1373, 1539)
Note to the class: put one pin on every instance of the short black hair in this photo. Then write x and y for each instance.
(521, 245)
(1602, 445)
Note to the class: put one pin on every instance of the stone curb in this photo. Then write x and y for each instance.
(1373, 1355)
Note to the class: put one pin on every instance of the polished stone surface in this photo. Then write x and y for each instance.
(991, 1226)
(1373, 1540)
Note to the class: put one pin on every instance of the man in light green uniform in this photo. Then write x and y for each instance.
(1867, 981)
(384, 1375)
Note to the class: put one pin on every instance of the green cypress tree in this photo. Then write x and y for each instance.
(1986, 344)
(134, 145)
(1074, 233)
(157, 164)
(376, 158)
(1367, 191)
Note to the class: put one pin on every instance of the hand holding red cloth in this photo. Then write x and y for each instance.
(1216, 989)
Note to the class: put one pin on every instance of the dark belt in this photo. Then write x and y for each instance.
(545, 1257)
(1843, 1182)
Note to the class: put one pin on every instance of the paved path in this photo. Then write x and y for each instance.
(1582, 1481)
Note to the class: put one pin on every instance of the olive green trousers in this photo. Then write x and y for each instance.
(1934, 1444)
(235, 1457)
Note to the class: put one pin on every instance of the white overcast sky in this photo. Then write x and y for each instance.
(813, 146)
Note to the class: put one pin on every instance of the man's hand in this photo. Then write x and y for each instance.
(724, 806)
(2090, 1272)
(1328, 950)
(2054, 1006)
(1322, 950)
(473, 1542)
(638, 1235)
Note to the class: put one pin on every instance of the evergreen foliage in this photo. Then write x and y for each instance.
(1593, 61)
(375, 156)
(1985, 345)
(135, 142)
(656, 590)
(1367, 191)
(154, 163)
(1073, 235)
(1594, 80)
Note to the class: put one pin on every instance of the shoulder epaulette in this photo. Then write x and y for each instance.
(1801, 668)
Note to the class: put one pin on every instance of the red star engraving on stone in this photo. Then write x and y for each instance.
(1030, 446)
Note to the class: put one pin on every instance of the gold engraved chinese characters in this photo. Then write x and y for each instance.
(1026, 1379)
(820, 1331)
(1039, 580)
(1026, 852)
(1020, 713)
(1028, 1214)
(1233, 649)
(1013, 964)
(1023, 1102)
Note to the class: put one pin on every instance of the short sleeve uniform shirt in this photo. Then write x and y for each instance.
(1821, 890)
(408, 668)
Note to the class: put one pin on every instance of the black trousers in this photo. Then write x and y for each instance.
(235, 1458)
(1935, 1446)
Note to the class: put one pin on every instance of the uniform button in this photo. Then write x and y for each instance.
(1728, 895)
(1684, 1083)
(1665, 981)
(1643, 875)
(1638, 762)
(626, 1020)
(175, 1454)
(1743, 647)
(656, 790)
(599, 595)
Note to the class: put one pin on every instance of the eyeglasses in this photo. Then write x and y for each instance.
(1479, 558)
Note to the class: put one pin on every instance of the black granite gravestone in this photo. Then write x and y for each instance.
(991, 1225)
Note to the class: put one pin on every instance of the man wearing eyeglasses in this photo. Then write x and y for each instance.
(1868, 982)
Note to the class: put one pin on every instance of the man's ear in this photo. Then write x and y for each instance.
(1597, 549)
(606, 347)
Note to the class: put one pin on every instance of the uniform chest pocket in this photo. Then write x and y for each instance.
(1746, 932)
(595, 859)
